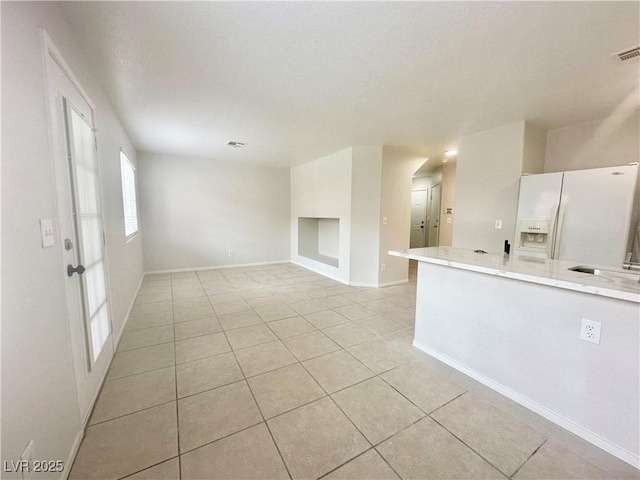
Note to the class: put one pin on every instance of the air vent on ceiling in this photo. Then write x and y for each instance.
(628, 54)
(236, 144)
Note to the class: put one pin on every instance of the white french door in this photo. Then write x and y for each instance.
(87, 213)
(80, 230)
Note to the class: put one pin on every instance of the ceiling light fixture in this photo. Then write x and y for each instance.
(451, 153)
(236, 144)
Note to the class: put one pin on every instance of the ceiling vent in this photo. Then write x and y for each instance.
(628, 54)
(236, 144)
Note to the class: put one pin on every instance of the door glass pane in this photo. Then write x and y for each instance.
(96, 291)
(87, 191)
(83, 142)
(91, 240)
(99, 330)
(89, 228)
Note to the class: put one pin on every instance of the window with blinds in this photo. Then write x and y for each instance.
(129, 196)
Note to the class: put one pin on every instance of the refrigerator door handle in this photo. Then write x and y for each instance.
(558, 236)
(551, 242)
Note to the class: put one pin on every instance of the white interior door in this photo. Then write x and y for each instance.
(418, 218)
(434, 216)
(80, 230)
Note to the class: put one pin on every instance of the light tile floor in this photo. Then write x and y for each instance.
(276, 372)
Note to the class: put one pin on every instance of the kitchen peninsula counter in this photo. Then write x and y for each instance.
(617, 284)
(514, 324)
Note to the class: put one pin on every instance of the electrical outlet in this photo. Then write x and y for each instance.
(230, 253)
(382, 267)
(590, 331)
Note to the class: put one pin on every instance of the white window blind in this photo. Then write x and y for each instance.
(129, 196)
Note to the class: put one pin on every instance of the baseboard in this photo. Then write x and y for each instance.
(378, 285)
(324, 274)
(72, 454)
(391, 284)
(351, 284)
(118, 337)
(362, 284)
(589, 436)
(218, 267)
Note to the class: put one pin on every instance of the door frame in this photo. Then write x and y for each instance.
(58, 148)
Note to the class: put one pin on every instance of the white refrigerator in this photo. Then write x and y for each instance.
(582, 216)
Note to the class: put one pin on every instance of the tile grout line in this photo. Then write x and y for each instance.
(141, 373)
(175, 361)
(338, 406)
(258, 407)
(245, 378)
(469, 447)
(529, 458)
(151, 345)
(147, 468)
(447, 403)
(343, 464)
(402, 394)
(332, 400)
(132, 413)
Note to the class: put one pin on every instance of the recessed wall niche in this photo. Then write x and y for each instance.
(318, 239)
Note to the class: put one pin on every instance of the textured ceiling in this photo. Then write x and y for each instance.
(299, 80)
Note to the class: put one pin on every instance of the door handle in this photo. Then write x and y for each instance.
(79, 270)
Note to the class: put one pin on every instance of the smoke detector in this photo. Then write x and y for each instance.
(628, 53)
(236, 144)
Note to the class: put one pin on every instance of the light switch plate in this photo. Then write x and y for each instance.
(498, 224)
(46, 232)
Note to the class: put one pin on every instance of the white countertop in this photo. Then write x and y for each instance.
(618, 284)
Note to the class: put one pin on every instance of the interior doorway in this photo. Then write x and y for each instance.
(434, 215)
(418, 237)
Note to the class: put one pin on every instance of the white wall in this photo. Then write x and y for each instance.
(427, 181)
(608, 142)
(358, 185)
(322, 189)
(446, 177)
(490, 164)
(398, 166)
(523, 339)
(329, 237)
(535, 142)
(38, 386)
(487, 180)
(195, 210)
(448, 201)
(366, 188)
